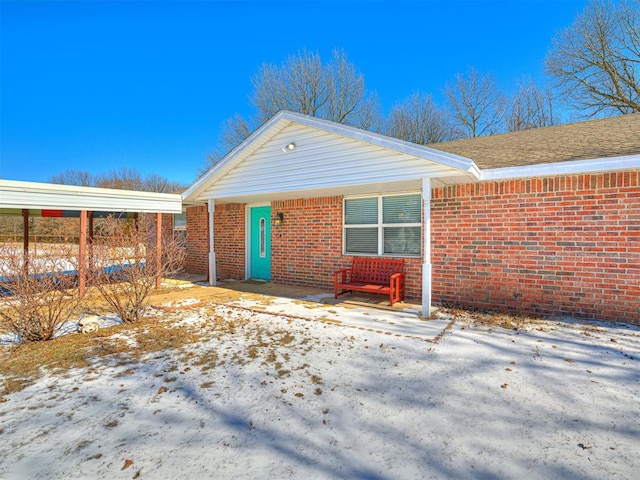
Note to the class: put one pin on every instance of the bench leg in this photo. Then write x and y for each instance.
(336, 294)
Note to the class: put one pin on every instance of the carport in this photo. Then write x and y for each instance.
(29, 199)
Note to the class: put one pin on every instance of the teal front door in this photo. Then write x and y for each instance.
(260, 240)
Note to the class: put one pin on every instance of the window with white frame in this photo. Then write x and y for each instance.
(180, 226)
(180, 221)
(383, 225)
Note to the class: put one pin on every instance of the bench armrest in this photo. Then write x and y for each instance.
(397, 275)
(396, 284)
(342, 274)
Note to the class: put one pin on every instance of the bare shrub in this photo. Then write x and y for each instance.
(37, 294)
(125, 264)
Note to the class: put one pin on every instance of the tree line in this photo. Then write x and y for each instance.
(593, 68)
(125, 178)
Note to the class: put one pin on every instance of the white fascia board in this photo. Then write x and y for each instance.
(563, 168)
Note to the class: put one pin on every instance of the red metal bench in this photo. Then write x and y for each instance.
(372, 275)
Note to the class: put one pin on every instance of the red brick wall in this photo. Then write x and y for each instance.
(228, 222)
(556, 245)
(548, 246)
(306, 248)
(197, 258)
(229, 230)
(167, 224)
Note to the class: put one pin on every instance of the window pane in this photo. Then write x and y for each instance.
(362, 240)
(402, 240)
(360, 211)
(401, 209)
(180, 220)
(263, 238)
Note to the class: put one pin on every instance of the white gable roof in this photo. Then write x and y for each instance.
(328, 159)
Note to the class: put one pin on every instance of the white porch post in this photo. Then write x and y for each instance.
(212, 253)
(426, 251)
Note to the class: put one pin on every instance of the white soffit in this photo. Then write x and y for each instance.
(327, 155)
(38, 196)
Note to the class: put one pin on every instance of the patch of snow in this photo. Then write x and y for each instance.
(277, 396)
(185, 302)
(66, 328)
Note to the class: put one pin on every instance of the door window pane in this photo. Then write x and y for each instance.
(263, 238)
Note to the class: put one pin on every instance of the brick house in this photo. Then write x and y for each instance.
(543, 221)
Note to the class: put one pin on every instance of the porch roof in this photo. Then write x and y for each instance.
(297, 156)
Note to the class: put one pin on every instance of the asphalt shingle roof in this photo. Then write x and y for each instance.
(601, 138)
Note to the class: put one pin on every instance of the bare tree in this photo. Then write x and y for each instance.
(530, 107)
(73, 177)
(125, 178)
(299, 84)
(39, 292)
(125, 263)
(304, 83)
(419, 120)
(234, 132)
(349, 101)
(157, 183)
(596, 61)
(476, 104)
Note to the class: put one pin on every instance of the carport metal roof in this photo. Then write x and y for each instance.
(51, 200)
(17, 195)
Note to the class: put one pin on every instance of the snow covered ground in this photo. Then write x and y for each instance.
(267, 395)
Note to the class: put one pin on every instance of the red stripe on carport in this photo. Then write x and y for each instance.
(52, 213)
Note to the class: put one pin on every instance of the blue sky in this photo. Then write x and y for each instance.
(101, 85)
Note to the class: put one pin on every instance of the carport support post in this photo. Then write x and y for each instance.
(90, 241)
(426, 251)
(158, 249)
(82, 253)
(212, 253)
(25, 241)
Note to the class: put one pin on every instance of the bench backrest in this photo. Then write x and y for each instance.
(375, 270)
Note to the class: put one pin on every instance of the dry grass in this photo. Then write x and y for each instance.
(24, 364)
(510, 321)
(128, 344)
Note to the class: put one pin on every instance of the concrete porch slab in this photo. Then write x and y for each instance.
(356, 311)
